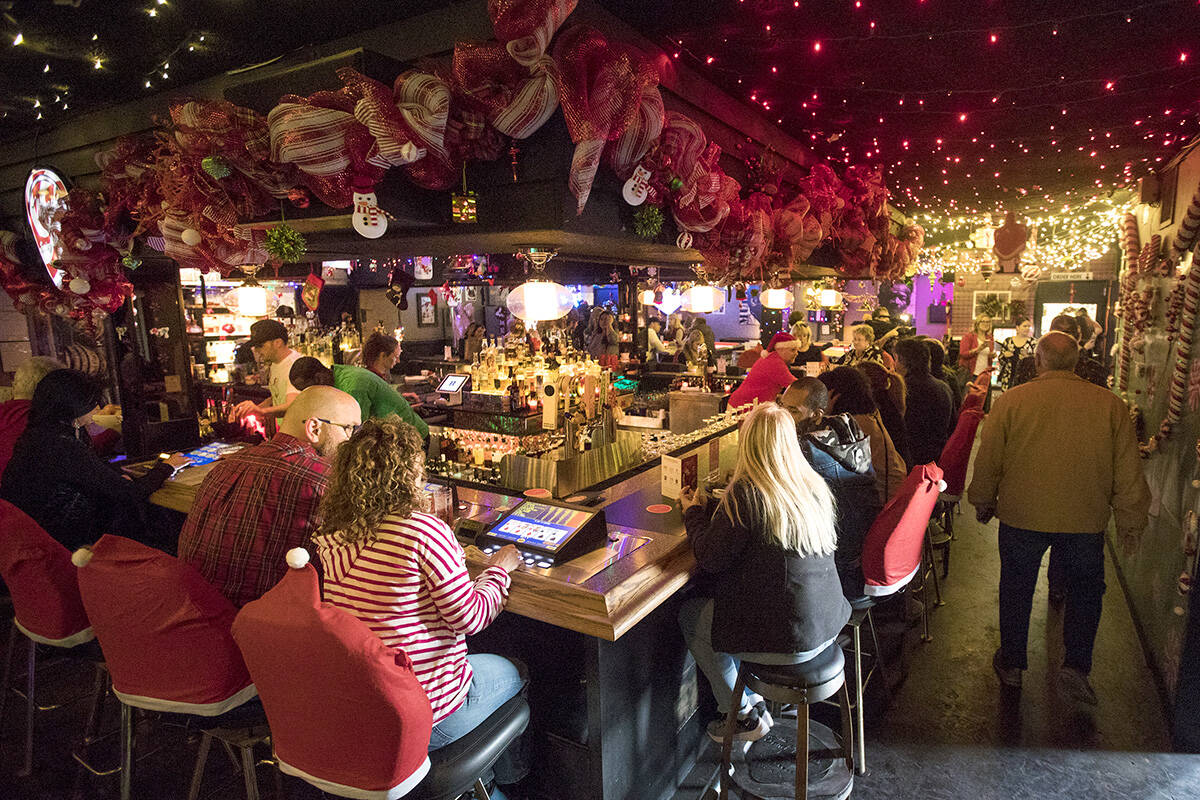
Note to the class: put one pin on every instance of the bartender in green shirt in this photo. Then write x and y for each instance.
(376, 397)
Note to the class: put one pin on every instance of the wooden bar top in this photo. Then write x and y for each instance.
(597, 599)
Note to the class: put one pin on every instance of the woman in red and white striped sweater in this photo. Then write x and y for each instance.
(403, 573)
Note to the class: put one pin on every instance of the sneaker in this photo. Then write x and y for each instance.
(1074, 685)
(1009, 676)
(750, 727)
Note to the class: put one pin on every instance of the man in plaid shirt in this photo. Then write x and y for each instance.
(257, 504)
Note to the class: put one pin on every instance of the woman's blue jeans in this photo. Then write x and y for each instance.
(496, 681)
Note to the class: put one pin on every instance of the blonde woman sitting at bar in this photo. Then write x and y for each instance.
(769, 551)
(401, 571)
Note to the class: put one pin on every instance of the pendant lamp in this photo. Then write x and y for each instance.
(539, 299)
(777, 298)
(251, 296)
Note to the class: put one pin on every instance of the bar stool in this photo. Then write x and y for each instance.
(373, 742)
(165, 634)
(46, 605)
(802, 684)
(893, 555)
(953, 461)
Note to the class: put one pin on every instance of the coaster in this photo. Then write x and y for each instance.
(659, 508)
(536, 493)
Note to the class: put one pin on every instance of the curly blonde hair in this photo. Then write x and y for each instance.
(379, 471)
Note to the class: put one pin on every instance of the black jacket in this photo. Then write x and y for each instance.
(63, 485)
(841, 454)
(928, 418)
(766, 599)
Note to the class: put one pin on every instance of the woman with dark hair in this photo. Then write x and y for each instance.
(850, 393)
(380, 353)
(56, 478)
(1013, 349)
(890, 393)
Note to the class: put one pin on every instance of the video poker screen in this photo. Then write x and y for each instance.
(540, 526)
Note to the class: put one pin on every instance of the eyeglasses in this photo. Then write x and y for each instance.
(349, 428)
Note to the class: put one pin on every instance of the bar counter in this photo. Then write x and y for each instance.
(601, 594)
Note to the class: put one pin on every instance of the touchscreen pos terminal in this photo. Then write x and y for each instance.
(547, 532)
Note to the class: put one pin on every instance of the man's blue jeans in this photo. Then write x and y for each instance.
(496, 680)
(1081, 558)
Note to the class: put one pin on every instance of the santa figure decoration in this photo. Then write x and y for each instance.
(1010, 243)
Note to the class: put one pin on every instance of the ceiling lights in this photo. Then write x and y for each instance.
(538, 299)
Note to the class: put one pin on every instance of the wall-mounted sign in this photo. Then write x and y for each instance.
(45, 192)
(1072, 276)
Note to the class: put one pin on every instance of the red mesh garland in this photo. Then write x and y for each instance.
(599, 87)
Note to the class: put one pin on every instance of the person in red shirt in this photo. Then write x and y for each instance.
(259, 503)
(770, 375)
(14, 414)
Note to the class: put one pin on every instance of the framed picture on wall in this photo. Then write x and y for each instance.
(423, 268)
(426, 311)
(992, 303)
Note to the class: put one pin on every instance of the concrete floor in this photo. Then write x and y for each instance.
(951, 732)
(948, 732)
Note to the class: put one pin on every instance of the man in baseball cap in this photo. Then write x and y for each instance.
(268, 342)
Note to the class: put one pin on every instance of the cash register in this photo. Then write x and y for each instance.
(547, 532)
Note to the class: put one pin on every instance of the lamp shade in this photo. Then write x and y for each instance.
(777, 298)
(251, 300)
(535, 301)
(703, 299)
(647, 297)
(830, 298)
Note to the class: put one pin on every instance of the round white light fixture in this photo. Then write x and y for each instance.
(777, 298)
(830, 298)
(539, 300)
(703, 298)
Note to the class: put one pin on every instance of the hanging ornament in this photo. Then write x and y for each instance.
(216, 167)
(190, 236)
(131, 262)
(285, 243)
(648, 222)
(310, 292)
(80, 285)
(463, 205)
(513, 152)
(398, 285)
(637, 188)
(684, 240)
(368, 219)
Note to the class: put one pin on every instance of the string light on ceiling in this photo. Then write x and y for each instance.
(953, 137)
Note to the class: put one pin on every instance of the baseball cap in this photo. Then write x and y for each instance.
(265, 330)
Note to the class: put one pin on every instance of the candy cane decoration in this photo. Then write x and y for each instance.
(1183, 353)
(1185, 237)
(1129, 238)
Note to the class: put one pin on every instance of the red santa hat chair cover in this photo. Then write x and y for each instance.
(347, 714)
(41, 581)
(164, 630)
(46, 604)
(957, 453)
(891, 555)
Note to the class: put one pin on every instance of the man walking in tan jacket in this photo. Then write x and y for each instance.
(1057, 455)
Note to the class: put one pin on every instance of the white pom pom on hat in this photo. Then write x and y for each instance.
(82, 557)
(941, 486)
(297, 558)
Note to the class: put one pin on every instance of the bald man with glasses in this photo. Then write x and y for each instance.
(258, 503)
